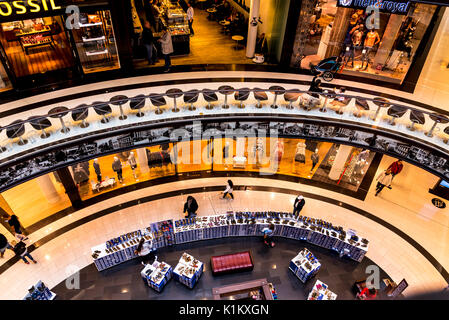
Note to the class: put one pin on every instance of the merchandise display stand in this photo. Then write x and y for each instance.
(121, 249)
(312, 230)
(156, 275)
(305, 265)
(320, 291)
(188, 270)
(40, 292)
(169, 232)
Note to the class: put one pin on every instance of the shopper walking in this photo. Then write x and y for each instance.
(298, 205)
(190, 207)
(20, 250)
(14, 222)
(148, 42)
(395, 168)
(3, 245)
(146, 252)
(167, 47)
(268, 235)
(190, 18)
(384, 179)
(229, 189)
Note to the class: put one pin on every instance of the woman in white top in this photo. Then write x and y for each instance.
(167, 47)
(229, 189)
(383, 180)
(145, 251)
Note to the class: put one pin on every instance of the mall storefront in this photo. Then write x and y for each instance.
(37, 49)
(42, 42)
(389, 47)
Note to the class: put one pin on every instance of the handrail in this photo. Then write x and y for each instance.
(331, 95)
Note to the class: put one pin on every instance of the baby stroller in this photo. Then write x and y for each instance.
(327, 68)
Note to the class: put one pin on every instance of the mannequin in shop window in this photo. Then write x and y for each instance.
(372, 39)
(97, 169)
(315, 157)
(132, 163)
(357, 36)
(278, 153)
(348, 50)
(117, 167)
(300, 153)
(226, 155)
(258, 151)
(81, 172)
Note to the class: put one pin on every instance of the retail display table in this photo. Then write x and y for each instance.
(121, 249)
(320, 291)
(156, 275)
(305, 265)
(169, 232)
(40, 292)
(188, 270)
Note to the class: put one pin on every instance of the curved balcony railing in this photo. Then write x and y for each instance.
(342, 106)
(33, 134)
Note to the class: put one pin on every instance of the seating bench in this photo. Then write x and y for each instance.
(231, 263)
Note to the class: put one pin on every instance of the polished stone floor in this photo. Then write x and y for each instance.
(124, 281)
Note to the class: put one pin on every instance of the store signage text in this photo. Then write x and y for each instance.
(389, 6)
(10, 8)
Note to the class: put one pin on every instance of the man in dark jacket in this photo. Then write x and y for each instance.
(190, 207)
(20, 249)
(3, 245)
(13, 221)
(299, 203)
(147, 41)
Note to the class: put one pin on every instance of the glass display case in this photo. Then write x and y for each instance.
(95, 42)
(175, 19)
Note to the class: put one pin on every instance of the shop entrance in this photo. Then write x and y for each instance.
(219, 36)
(36, 46)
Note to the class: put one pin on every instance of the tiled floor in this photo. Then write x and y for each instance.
(69, 252)
(124, 282)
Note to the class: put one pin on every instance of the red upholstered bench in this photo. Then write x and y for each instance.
(230, 263)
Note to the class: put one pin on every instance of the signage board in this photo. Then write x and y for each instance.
(386, 6)
(22, 7)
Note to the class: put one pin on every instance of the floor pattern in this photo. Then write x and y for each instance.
(123, 282)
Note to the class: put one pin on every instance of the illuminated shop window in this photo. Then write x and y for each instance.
(95, 42)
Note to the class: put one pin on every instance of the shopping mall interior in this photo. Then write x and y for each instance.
(224, 150)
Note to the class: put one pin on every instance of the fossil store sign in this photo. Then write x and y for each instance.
(17, 8)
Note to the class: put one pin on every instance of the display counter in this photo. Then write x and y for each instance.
(320, 291)
(173, 17)
(40, 292)
(166, 233)
(188, 270)
(122, 248)
(156, 275)
(305, 265)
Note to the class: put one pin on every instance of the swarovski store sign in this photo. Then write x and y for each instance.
(387, 6)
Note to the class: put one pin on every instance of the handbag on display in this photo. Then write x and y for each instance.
(299, 157)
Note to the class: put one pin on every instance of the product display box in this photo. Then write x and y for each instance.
(305, 265)
(188, 270)
(157, 275)
(320, 291)
(40, 292)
